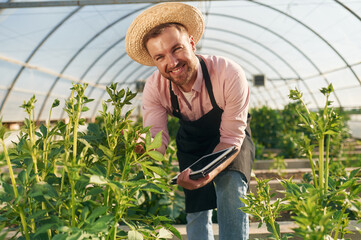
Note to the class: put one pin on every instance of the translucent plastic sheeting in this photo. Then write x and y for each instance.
(303, 44)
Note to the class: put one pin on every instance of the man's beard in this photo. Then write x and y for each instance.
(184, 79)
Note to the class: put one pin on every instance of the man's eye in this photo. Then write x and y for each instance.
(159, 58)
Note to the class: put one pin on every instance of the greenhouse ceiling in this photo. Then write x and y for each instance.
(45, 46)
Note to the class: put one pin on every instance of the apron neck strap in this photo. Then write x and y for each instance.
(207, 80)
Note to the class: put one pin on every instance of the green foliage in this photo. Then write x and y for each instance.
(260, 206)
(279, 164)
(173, 203)
(282, 129)
(266, 126)
(75, 185)
(322, 205)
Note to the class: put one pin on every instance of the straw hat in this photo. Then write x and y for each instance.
(187, 15)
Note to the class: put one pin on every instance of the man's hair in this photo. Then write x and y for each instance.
(156, 31)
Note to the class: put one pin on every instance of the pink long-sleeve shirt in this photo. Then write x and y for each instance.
(230, 89)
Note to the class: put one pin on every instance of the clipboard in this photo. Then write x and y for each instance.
(207, 163)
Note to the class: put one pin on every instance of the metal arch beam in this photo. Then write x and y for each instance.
(2, 9)
(41, 43)
(271, 51)
(121, 70)
(100, 57)
(255, 55)
(73, 3)
(217, 49)
(106, 70)
(242, 59)
(348, 9)
(48, 72)
(80, 50)
(115, 77)
(111, 81)
(288, 42)
(99, 79)
(128, 77)
(138, 76)
(142, 74)
(314, 32)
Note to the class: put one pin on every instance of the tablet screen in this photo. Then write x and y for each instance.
(205, 160)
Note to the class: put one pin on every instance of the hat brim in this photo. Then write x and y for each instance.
(168, 12)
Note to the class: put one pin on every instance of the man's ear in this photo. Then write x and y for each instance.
(192, 43)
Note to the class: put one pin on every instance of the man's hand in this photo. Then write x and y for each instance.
(139, 149)
(184, 181)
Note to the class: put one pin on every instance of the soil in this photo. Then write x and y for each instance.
(286, 175)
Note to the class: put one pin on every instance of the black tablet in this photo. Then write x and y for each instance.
(203, 166)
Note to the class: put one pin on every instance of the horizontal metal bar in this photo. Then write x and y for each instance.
(72, 3)
(50, 72)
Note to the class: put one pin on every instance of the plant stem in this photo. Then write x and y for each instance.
(327, 170)
(23, 222)
(75, 145)
(72, 203)
(339, 223)
(272, 222)
(16, 194)
(46, 146)
(313, 168)
(11, 172)
(321, 142)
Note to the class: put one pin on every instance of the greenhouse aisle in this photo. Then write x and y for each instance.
(355, 125)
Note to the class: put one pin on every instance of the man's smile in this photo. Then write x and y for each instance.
(177, 70)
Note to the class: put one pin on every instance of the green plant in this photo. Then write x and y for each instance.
(330, 197)
(266, 126)
(322, 126)
(322, 206)
(262, 209)
(83, 185)
(279, 164)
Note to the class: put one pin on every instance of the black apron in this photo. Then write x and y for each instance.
(197, 138)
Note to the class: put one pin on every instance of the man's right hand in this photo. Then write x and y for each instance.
(184, 181)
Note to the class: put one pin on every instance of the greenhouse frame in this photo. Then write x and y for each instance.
(71, 120)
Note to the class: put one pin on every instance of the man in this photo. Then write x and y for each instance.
(210, 96)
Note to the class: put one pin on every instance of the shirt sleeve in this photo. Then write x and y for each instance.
(154, 113)
(234, 117)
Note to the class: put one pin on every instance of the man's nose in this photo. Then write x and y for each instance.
(172, 61)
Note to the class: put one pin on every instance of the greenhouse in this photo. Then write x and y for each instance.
(76, 162)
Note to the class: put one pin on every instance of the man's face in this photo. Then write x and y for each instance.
(173, 54)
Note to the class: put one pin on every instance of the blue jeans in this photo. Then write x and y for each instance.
(233, 223)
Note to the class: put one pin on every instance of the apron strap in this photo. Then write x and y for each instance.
(207, 82)
(175, 103)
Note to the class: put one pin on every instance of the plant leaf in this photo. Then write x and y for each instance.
(157, 141)
(96, 213)
(106, 151)
(165, 233)
(157, 170)
(156, 156)
(134, 235)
